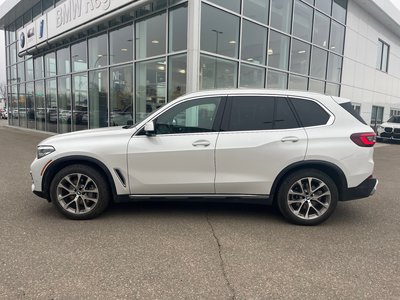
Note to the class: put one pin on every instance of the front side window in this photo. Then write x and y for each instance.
(260, 113)
(189, 117)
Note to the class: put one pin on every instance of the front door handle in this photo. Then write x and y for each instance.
(203, 143)
(292, 139)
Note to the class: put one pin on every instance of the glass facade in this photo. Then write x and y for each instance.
(282, 44)
(118, 72)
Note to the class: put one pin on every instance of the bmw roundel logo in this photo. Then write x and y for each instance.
(22, 40)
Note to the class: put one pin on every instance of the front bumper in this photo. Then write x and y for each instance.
(365, 189)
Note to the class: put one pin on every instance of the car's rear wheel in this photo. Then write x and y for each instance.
(307, 197)
(79, 192)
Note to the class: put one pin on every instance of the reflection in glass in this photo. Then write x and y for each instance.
(332, 89)
(219, 31)
(339, 10)
(337, 37)
(151, 36)
(252, 77)
(80, 101)
(334, 68)
(324, 5)
(176, 76)
(281, 14)
(178, 29)
(278, 51)
(79, 57)
(13, 54)
(30, 105)
(14, 77)
(276, 80)
(300, 57)
(14, 106)
(63, 61)
(150, 87)
(233, 5)
(316, 86)
(217, 73)
(297, 83)
(50, 64)
(121, 95)
(29, 69)
(303, 15)
(254, 43)
(39, 68)
(98, 54)
(64, 104)
(22, 106)
(51, 103)
(21, 72)
(121, 45)
(321, 30)
(40, 107)
(257, 10)
(318, 63)
(98, 98)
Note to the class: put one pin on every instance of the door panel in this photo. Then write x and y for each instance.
(260, 137)
(180, 157)
(172, 164)
(248, 162)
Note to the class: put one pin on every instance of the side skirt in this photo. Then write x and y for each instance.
(221, 198)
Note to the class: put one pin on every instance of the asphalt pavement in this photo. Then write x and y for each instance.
(194, 251)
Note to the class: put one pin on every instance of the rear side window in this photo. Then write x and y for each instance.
(260, 113)
(350, 109)
(310, 113)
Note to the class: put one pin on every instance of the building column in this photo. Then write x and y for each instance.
(193, 47)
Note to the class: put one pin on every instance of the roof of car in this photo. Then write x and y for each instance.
(265, 92)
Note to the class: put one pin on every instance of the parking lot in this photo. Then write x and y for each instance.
(194, 251)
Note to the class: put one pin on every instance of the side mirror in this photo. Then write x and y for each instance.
(149, 129)
(129, 122)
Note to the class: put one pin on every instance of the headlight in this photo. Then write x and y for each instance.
(42, 151)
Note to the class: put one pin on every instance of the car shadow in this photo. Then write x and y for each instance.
(171, 207)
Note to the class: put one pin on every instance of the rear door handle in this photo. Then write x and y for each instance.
(292, 139)
(203, 143)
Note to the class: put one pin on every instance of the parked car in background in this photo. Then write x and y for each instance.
(4, 114)
(389, 130)
(302, 151)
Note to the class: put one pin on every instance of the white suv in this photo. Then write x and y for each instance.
(301, 151)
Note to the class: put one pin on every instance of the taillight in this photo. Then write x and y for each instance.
(364, 139)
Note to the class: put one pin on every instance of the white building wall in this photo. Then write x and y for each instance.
(362, 82)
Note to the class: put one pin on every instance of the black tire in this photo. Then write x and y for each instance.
(77, 198)
(307, 208)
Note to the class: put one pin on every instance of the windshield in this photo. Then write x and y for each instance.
(394, 119)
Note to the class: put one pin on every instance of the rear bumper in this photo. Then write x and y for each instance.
(365, 189)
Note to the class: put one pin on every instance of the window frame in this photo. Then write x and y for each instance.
(217, 121)
(226, 121)
(381, 48)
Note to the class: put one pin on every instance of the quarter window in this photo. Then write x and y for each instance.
(189, 117)
(260, 113)
(310, 113)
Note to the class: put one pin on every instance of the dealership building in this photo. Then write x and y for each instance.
(78, 64)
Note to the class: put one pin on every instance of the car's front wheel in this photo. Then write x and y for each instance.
(79, 192)
(307, 197)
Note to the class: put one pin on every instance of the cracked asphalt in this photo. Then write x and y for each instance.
(194, 251)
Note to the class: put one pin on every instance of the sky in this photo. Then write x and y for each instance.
(2, 49)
